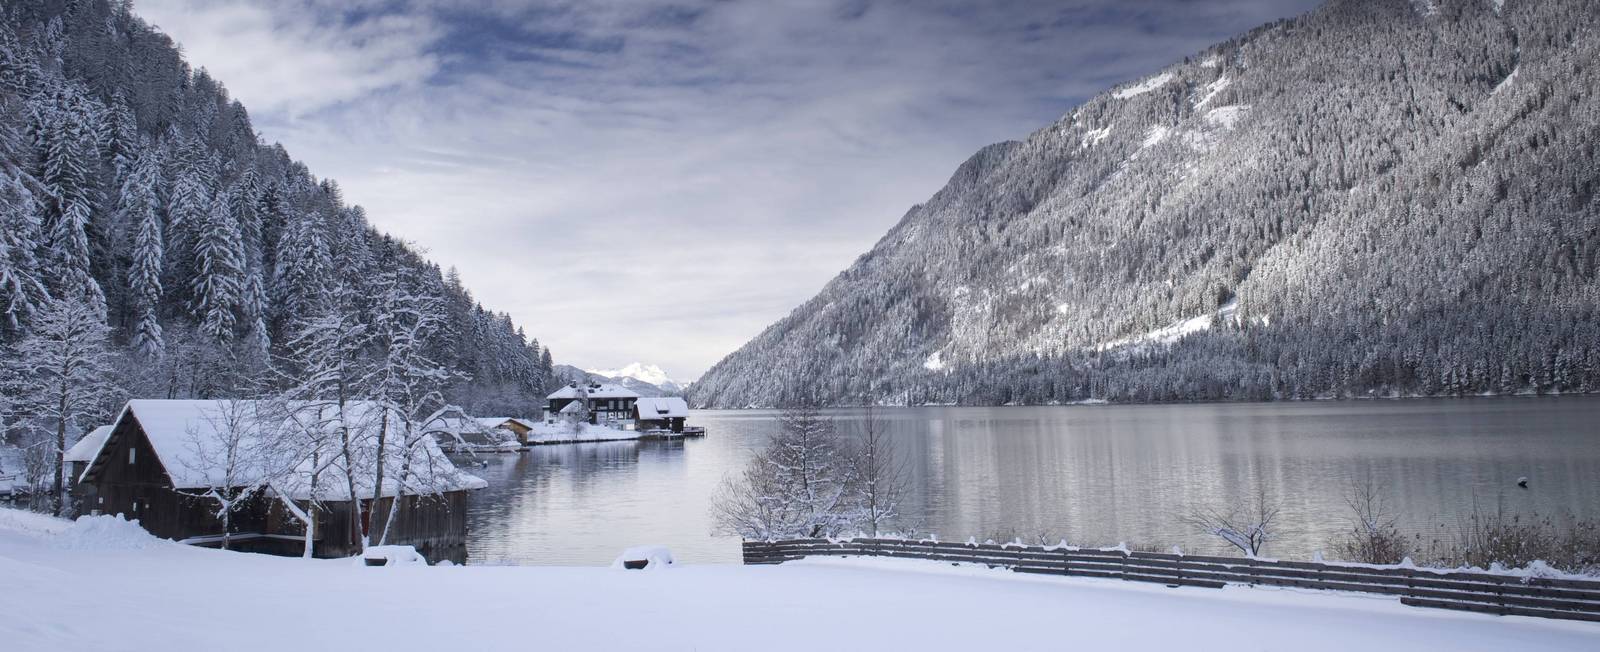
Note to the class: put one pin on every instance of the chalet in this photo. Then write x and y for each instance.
(458, 433)
(518, 427)
(662, 413)
(605, 404)
(159, 459)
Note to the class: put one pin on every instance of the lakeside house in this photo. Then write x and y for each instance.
(601, 404)
(516, 426)
(457, 432)
(160, 459)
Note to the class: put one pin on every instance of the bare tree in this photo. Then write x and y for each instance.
(406, 381)
(879, 475)
(227, 450)
(1248, 528)
(327, 363)
(67, 378)
(800, 486)
(1373, 537)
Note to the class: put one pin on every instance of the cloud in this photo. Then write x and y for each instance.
(658, 181)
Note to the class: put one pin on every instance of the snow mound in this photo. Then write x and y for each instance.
(391, 556)
(645, 558)
(26, 522)
(105, 533)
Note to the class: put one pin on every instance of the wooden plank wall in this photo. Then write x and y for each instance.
(1483, 592)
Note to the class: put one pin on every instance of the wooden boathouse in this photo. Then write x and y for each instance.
(158, 460)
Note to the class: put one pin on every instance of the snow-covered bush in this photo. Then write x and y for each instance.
(1372, 537)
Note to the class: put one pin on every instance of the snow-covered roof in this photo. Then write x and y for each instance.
(188, 436)
(597, 390)
(85, 449)
(572, 408)
(663, 407)
(496, 422)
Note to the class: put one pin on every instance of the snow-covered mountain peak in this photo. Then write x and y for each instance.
(639, 371)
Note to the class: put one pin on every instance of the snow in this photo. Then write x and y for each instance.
(648, 373)
(1499, 5)
(595, 391)
(1212, 89)
(158, 598)
(662, 407)
(85, 449)
(392, 556)
(185, 433)
(1211, 62)
(1506, 82)
(1175, 331)
(496, 422)
(1227, 116)
(561, 433)
(934, 362)
(1145, 86)
(1094, 136)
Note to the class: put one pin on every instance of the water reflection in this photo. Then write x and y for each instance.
(1090, 474)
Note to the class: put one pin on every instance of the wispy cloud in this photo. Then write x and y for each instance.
(657, 181)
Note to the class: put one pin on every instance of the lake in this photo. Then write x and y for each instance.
(1093, 474)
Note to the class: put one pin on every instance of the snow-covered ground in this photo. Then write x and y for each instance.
(547, 433)
(101, 584)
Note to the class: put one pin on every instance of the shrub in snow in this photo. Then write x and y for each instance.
(644, 558)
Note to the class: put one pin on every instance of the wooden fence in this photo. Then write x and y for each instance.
(1470, 591)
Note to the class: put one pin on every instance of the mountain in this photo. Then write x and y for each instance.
(133, 183)
(638, 384)
(1381, 197)
(645, 373)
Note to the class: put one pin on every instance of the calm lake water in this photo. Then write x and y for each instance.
(1094, 475)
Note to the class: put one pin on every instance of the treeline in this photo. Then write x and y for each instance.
(1397, 201)
(135, 186)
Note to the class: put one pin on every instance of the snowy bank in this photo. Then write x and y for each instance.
(157, 595)
(565, 433)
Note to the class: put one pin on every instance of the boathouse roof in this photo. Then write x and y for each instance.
(662, 407)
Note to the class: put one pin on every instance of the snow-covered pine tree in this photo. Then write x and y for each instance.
(304, 267)
(22, 286)
(65, 372)
(140, 205)
(70, 156)
(219, 278)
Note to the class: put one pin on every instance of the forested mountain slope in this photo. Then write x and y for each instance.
(1379, 197)
(134, 184)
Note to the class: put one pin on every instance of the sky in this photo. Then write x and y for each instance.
(639, 180)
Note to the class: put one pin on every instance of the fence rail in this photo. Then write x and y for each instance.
(1573, 599)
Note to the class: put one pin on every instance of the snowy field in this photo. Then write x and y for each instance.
(101, 584)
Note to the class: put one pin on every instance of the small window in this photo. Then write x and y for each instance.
(131, 453)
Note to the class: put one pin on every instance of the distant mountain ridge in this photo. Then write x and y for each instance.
(1376, 198)
(646, 373)
(639, 385)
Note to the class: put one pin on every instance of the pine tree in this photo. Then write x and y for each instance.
(69, 157)
(140, 205)
(218, 282)
(22, 287)
(66, 372)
